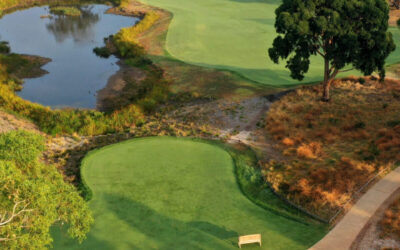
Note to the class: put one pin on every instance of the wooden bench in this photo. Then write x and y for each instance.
(249, 239)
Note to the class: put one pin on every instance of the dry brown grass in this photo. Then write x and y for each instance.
(333, 148)
(390, 223)
(309, 151)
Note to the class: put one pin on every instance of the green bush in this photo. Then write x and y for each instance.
(22, 147)
(4, 47)
(103, 52)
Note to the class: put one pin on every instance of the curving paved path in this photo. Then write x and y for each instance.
(346, 231)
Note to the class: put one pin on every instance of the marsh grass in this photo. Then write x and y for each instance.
(65, 11)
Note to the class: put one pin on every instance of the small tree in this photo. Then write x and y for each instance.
(343, 32)
(34, 197)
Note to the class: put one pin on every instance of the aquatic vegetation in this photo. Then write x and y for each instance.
(65, 11)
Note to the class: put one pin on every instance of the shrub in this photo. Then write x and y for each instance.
(390, 223)
(309, 151)
(103, 52)
(393, 123)
(288, 142)
(359, 125)
(4, 47)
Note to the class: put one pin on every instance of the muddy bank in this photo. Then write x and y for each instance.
(111, 96)
(35, 67)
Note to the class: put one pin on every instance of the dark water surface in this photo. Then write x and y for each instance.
(75, 73)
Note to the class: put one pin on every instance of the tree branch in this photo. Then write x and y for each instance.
(3, 218)
(333, 75)
(346, 70)
(320, 53)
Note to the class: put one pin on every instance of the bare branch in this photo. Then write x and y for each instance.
(3, 218)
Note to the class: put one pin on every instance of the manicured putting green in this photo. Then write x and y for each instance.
(169, 193)
(234, 35)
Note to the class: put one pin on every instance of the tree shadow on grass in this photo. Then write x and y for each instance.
(62, 240)
(258, 1)
(219, 232)
(166, 232)
(170, 233)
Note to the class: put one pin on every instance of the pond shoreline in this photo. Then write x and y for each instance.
(38, 62)
(98, 81)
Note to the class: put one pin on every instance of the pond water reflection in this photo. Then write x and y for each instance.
(75, 72)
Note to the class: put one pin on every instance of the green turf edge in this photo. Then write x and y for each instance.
(247, 174)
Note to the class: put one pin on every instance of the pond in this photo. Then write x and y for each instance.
(75, 72)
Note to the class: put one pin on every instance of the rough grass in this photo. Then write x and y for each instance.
(390, 223)
(233, 35)
(169, 193)
(333, 148)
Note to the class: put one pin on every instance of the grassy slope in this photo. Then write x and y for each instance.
(168, 193)
(233, 35)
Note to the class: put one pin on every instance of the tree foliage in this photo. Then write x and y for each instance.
(343, 32)
(34, 196)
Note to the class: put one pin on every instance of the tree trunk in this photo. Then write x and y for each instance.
(327, 83)
(326, 90)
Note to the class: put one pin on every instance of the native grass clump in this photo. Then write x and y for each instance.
(333, 148)
(34, 196)
(390, 223)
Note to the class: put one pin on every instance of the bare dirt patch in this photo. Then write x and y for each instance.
(10, 122)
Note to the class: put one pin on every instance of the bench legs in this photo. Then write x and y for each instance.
(240, 246)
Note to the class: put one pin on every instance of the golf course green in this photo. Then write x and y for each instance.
(235, 35)
(170, 193)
